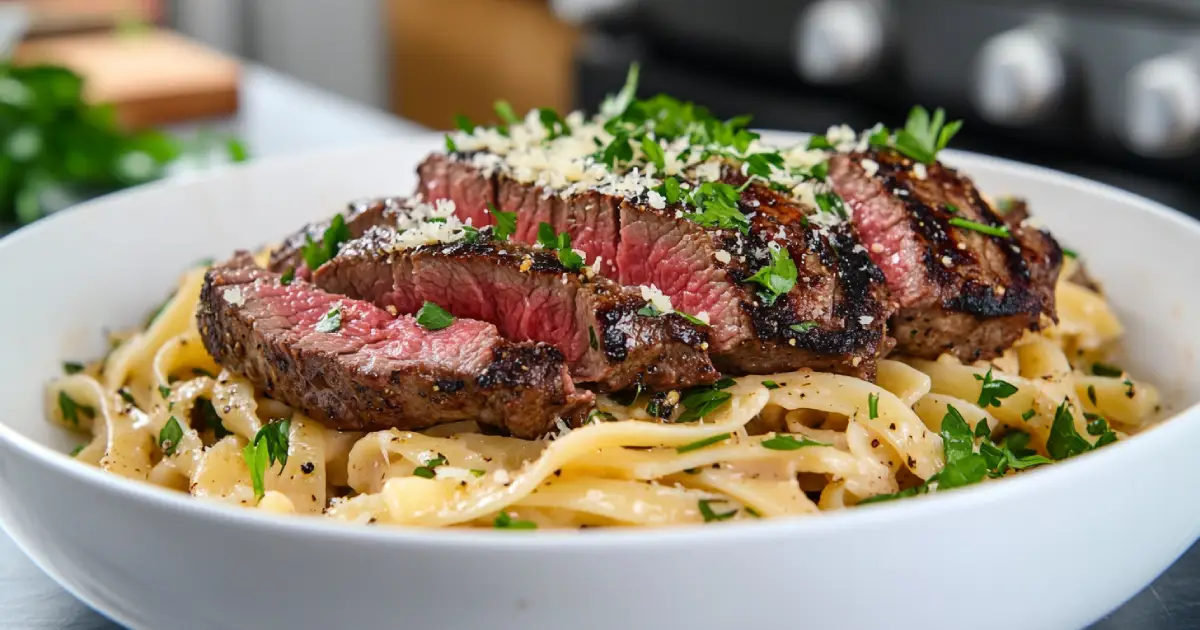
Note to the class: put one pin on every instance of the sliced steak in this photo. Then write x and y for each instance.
(359, 217)
(959, 291)
(376, 371)
(832, 320)
(529, 295)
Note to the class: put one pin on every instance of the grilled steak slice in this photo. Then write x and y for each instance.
(602, 328)
(959, 290)
(375, 371)
(359, 217)
(833, 319)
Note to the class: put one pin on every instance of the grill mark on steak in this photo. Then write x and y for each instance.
(958, 290)
(529, 295)
(378, 371)
(839, 288)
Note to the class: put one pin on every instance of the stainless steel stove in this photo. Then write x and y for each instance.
(1103, 88)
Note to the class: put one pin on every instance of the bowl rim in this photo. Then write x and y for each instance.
(482, 539)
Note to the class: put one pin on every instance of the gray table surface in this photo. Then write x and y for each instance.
(280, 116)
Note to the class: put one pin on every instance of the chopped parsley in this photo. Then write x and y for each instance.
(990, 230)
(698, 402)
(317, 253)
(993, 391)
(699, 444)
(72, 367)
(592, 341)
(560, 243)
(776, 277)
(554, 124)
(269, 445)
(830, 203)
(506, 223)
(1064, 441)
(1104, 369)
(476, 472)
(169, 436)
(1091, 394)
(1070, 253)
(331, 321)
(963, 465)
(71, 410)
(872, 405)
(433, 317)
(695, 321)
(717, 206)
(951, 208)
(126, 396)
(504, 110)
(770, 384)
(451, 147)
(654, 153)
(77, 450)
(470, 234)
(210, 419)
(1128, 388)
(164, 391)
(910, 492)
(1097, 426)
(288, 276)
(803, 326)
(709, 515)
(1028, 414)
(982, 429)
(596, 416)
(790, 443)
(923, 137)
(426, 471)
(464, 123)
(616, 105)
(506, 521)
(761, 164)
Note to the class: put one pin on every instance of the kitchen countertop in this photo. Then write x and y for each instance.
(281, 116)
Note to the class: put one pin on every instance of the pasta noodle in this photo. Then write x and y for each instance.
(786, 444)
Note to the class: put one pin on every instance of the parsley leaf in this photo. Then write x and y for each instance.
(1064, 441)
(872, 405)
(560, 243)
(615, 105)
(761, 164)
(288, 276)
(670, 190)
(427, 471)
(709, 515)
(318, 253)
(1104, 369)
(506, 521)
(72, 367)
(911, 492)
(771, 385)
(701, 401)
(169, 436)
(819, 142)
(71, 410)
(717, 206)
(1098, 426)
(504, 110)
(922, 137)
(554, 124)
(963, 465)
(699, 444)
(451, 147)
(993, 391)
(331, 321)
(269, 445)
(506, 223)
(164, 391)
(210, 419)
(464, 123)
(778, 276)
(654, 153)
(982, 430)
(790, 443)
(803, 326)
(433, 317)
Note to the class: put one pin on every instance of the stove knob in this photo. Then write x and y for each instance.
(837, 41)
(1162, 107)
(1019, 77)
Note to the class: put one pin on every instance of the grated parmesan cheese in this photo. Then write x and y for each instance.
(866, 320)
(919, 171)
(234, 296)
(871, 167)
(653, 295)
(723, 256)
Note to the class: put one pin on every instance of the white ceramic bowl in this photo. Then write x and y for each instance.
(1055, 548)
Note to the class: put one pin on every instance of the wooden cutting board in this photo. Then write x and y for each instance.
(153, 77)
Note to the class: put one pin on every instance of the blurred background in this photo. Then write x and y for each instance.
(1106, 88)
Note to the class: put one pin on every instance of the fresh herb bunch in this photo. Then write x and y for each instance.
(58, 149)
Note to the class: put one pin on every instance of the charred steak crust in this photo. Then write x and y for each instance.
(592, 319)
(958, 290)
(360, 215)
(838, 304)
(376, 371)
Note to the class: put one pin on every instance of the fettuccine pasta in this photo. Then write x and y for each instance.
(159, 409)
